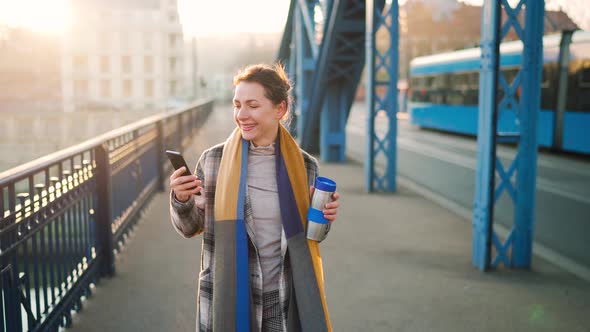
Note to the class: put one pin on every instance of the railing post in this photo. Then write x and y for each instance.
(11, 315)
(180, 133)
(104, 232)
(160, 154)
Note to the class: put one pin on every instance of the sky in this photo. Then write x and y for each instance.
(199, 17)
(205, 17)
(232, 15)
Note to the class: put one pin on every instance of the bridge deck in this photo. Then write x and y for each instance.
(396, 262)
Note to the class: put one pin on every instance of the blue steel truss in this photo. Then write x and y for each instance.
(326, 70)
(299, 51)
(382, 71)
(516, 250)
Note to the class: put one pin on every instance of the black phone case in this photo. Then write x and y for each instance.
(178, 161)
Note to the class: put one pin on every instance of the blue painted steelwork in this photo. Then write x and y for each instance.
(383, 106)
(516, 251)
(326, 75)
(524, 220)
(340, 63)
(62, 215)
(305, 58)
(298, 51)
(486, 135)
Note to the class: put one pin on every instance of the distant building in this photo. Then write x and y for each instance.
(29, 71)
(125, 54)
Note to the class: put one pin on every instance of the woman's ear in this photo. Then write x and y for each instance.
(282, 110)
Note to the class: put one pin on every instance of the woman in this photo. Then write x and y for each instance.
(255, 190)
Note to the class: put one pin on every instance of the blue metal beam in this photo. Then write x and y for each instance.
(299, 51)
(386, 105)
(305, 60)
(516, 251)
(486, 135)
(339, 67)
(524, 218)
(333, 123)
(306, 9)
(286, 41)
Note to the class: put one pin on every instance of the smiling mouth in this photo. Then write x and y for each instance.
(247, 127)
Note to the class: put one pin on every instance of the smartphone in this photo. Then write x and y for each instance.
(178, 161)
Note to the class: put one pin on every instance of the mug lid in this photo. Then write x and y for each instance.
(325, 184)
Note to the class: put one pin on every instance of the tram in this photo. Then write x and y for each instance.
(444, 91)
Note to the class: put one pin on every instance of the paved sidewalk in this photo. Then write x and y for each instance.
(392, 263)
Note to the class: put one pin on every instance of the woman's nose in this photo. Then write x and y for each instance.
(242, 113)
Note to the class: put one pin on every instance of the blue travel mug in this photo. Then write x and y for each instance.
(317, 225)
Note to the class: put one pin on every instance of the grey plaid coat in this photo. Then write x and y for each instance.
(189, 221)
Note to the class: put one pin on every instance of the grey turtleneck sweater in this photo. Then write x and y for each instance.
(268, 226)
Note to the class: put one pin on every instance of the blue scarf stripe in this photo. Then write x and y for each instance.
(242, 272)
(289, 212)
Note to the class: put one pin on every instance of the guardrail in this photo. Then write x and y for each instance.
(63, 216)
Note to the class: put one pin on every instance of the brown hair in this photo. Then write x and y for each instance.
(275, 82)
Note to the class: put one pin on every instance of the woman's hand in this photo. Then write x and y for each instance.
(331, 209)
(184, 186)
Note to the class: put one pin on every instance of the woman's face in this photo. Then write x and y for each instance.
(255, 114)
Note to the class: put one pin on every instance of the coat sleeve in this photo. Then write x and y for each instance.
(188, 218)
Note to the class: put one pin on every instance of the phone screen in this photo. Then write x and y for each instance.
(178, 161)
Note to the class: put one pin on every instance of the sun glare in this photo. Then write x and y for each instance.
(202, 17)
(48, 16)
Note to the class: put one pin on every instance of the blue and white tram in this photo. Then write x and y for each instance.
(444, 91)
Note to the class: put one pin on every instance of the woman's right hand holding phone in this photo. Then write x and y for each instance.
(185, 187)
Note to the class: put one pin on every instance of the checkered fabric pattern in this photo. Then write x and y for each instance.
(271, 312)
(190, 221)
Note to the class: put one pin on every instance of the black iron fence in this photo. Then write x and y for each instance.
(63, 216)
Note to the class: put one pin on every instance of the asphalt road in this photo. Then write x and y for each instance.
(445, 165)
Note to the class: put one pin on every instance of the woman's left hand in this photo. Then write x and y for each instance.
(331, 209)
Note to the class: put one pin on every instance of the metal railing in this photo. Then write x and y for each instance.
(63, 216)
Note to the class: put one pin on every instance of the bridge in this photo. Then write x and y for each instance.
(86, 241)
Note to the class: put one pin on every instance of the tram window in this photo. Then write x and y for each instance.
(418, 82)
(436, 97)
(584, 76)
(583, 93)
(473, 81)
(438, 82)
(472, 97)
(458, 81)
(454, 94)
(578, 94)
(546, 76)
(419, 89)
(429, 89)
(548, 87)
(455, 97)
